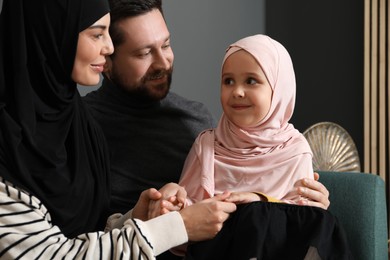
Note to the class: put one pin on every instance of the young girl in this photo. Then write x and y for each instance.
(258, 155)
(254, 151)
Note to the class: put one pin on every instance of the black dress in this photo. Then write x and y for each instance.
(263, 230)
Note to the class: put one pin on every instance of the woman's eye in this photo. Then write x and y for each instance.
(98, 36)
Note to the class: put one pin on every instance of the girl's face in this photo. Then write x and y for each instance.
(94, 44)
(245, 91)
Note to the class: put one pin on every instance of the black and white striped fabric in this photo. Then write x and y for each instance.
(26, 232)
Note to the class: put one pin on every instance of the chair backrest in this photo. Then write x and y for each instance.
(358, 200)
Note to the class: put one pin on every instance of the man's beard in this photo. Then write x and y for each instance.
(143, 91)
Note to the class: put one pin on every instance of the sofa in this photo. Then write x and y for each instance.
(358, 200)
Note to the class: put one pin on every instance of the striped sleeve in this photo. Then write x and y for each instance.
(26, 232)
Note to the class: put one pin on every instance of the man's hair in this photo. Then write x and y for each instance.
(123, 9)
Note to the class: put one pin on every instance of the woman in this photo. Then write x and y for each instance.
(54, 185)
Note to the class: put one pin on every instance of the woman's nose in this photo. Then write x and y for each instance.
(108, 48)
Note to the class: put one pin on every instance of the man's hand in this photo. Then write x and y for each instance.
(314, 193)
(203, 220)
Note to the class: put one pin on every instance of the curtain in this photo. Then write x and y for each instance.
(377, 90)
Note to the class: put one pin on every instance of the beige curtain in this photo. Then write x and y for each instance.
(376, 96)
(377, 89)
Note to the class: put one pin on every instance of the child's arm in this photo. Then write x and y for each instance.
(191, 178)
(303, 170)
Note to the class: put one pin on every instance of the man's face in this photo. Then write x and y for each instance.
(143, 63)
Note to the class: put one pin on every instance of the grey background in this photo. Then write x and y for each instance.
(200, 32)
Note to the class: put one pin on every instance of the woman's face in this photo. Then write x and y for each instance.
(245, 92)
(93, 46)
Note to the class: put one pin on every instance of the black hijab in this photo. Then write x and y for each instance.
(49, 144)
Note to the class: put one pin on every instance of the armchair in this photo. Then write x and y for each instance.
(358, 200)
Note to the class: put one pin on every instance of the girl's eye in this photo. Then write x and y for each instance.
(251, 81)
(228, 81)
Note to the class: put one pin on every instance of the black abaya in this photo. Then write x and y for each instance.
(49, 144)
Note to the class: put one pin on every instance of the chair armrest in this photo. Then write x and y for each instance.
(358, 200)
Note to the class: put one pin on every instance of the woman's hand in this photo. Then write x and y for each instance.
(204, 219)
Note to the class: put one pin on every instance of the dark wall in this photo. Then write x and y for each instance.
(325, 40)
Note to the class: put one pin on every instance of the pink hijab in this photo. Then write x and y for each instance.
(270, 157)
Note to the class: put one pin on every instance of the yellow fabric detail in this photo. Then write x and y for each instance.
(267, 198)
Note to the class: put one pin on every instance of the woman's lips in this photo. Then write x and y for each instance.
(98, 67)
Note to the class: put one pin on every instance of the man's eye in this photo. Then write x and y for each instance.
(144, 53)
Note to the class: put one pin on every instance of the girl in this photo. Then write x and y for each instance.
(254, 151)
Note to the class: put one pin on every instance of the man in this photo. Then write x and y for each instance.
(149, 129)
